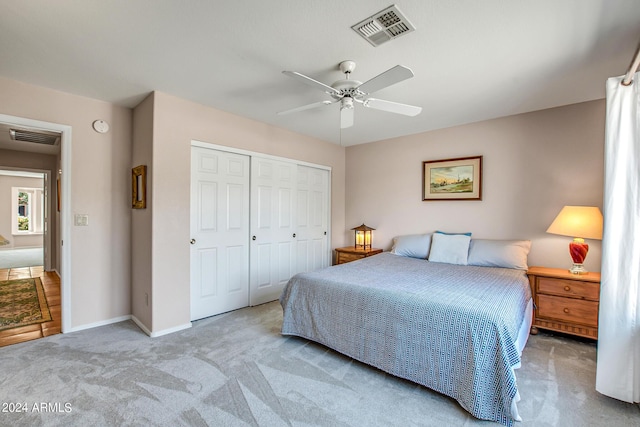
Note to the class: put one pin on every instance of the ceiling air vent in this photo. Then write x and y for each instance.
(384, 26)
(37, 137)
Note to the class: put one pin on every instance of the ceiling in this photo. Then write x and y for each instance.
(473, 60)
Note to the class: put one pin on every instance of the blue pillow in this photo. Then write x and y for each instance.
(450, 248)
(413, 245)
(499, 253)
(454, 234)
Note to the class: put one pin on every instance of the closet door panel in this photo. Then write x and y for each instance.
(312, 219)
(255, 222)
(272, 226)
(219, 225)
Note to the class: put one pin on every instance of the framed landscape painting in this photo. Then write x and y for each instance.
(452, 179)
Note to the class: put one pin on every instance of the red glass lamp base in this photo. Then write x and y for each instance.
(578, 250)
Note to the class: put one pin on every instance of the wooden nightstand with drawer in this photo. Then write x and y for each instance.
(565, 302)
(350, 253)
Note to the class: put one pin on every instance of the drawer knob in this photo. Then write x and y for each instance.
(566, 310)
(567, 288)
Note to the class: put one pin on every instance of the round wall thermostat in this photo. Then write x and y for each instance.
(101, 126)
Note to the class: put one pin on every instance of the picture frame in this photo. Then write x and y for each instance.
(139, 187)
(452, 179)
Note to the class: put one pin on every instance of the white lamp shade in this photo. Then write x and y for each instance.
(578, 221)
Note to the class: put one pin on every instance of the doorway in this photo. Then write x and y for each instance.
(16, 155)
(24, 216)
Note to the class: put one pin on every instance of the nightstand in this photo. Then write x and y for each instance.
(350, 253)
(565, 302)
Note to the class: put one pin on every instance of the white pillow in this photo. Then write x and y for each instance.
(413, 245)
(499, 253)
(449, 248)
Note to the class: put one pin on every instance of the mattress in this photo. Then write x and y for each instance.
(455, 329)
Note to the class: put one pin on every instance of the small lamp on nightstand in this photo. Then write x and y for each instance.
(363, 238)
(579, 222)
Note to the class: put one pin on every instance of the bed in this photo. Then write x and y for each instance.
(457, 329)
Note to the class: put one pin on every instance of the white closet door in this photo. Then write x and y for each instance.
(312, 219)
(273, 186)
(219, 232)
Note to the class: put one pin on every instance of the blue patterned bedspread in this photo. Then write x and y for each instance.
(448, 327)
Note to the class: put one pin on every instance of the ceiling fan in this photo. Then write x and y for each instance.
(347, 92)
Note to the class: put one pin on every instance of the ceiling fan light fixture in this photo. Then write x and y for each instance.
(347, 92)
(346, 102)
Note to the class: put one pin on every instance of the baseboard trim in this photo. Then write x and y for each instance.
(101, 323)
(170, 330)
(159, 333)
(136, 321)
(140, 325)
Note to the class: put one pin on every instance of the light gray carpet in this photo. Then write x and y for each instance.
(13, 258)
(237, 370)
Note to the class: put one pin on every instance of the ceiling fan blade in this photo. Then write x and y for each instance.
(390, 77)
(305, 107)
(311, 82)
(392, 107)
(346, 118)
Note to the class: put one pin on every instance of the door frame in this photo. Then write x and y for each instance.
(64, 250)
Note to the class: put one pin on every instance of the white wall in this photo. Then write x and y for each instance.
(533, 165)
(100, 187)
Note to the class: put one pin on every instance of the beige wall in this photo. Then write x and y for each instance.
(533, 165)
(100, 187)
(176, 123)
(141, 219)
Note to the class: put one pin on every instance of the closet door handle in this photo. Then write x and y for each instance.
(294, 234)
(192, 241)
(253, 238)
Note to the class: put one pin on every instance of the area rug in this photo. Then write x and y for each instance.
(22, 303)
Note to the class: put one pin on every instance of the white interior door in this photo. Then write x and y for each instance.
(273, 184)
(219, 231)
(312, 219)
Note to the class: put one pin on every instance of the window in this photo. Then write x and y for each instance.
(27, 210)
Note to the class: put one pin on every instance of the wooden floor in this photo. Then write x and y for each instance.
(51, 285)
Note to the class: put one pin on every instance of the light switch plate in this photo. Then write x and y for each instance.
(81, 220)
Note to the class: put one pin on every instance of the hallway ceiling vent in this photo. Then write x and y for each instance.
(385, 25)
(37, 137)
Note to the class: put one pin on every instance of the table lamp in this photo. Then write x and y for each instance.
(579, 222)
(362, 238)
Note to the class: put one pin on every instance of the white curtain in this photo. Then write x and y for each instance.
(618, 369)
